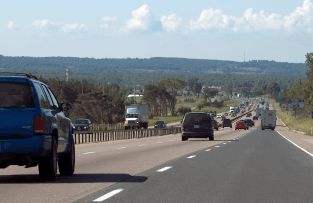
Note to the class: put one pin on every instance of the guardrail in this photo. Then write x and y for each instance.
(111, 135)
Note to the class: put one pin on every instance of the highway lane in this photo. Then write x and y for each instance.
(100, 166)
(260, 167)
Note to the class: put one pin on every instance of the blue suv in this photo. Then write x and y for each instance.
(33, 127)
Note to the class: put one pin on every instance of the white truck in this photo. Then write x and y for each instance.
(137, 116)
(268, 119)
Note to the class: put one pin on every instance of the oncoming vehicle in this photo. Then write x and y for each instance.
(197, 125)
(34, 129)
(160, 124)
(227, 123)
(241, 125)
(249, 122)
(82, 124)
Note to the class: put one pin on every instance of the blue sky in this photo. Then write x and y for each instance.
(280, 30)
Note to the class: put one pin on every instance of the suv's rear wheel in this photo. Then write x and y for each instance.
(211, 137)
(48, 166)
(184, 138)
(67, 161)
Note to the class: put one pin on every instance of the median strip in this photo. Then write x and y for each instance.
(108, 195)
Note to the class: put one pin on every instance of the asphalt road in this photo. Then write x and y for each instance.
(102, 165)
(259, 167)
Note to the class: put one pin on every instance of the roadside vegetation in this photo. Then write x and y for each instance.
(303, 124)
(296, 117)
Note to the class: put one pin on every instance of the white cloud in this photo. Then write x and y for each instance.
(140, 19)
(46, 25)
(301, 19)
(107, 21)
(210, 19)
(74, 27)
(11, 25)
(171, 22)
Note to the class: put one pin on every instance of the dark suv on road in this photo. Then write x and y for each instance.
(33, 128)
(197, 125)
(82, 124)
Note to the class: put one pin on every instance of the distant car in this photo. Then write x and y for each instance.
(227, 123)
(197, 125)
(241, 125)
(218, 116)
(82, 124)
(225, 114)
(160, 124)
(215, 124)
(34, 129)
(255, 118)
(249, 114)
(249, 122)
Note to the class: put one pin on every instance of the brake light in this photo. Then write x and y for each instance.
(39, 125)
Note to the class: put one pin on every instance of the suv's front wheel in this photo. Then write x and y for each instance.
(48, 166)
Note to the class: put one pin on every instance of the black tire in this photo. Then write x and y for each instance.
(183, 138)
(211, 138)
(67, 161)
(262, 128)
(48, 166)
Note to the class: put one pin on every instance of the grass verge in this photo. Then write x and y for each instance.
(300, 124)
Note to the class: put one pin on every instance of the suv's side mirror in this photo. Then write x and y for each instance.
(64, 107)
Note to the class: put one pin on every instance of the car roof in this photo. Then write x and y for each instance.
(18, 77)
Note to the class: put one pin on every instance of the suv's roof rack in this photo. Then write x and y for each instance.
(19, 74)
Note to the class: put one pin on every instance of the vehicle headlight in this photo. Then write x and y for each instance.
(85, 127)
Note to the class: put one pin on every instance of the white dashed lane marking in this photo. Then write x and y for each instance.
(85, 153)
(191, 157)
(217, 146)
(207, 150)
(108, 195)
(121, 148)
(164, 169)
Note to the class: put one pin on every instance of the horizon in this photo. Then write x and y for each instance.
(166, 57)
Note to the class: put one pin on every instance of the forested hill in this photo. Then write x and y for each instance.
(153, 67)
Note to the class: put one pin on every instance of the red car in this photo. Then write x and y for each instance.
(241, 125)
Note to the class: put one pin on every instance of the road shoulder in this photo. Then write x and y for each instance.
(299, 139)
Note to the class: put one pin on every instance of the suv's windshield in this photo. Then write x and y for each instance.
(131, 115)
(16, 95)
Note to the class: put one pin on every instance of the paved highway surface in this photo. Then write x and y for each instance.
(240, 166)
(260, 167)
(101, 165)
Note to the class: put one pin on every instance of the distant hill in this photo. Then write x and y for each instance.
(134, 70)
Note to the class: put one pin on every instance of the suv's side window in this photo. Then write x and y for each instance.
(54, 100)
(44, 102)
(47, 95)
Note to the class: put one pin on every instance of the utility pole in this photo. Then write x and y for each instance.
(67, 74)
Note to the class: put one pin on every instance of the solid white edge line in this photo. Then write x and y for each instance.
(304, 150)
(191, 157)
(108, 195)
(164, 169)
